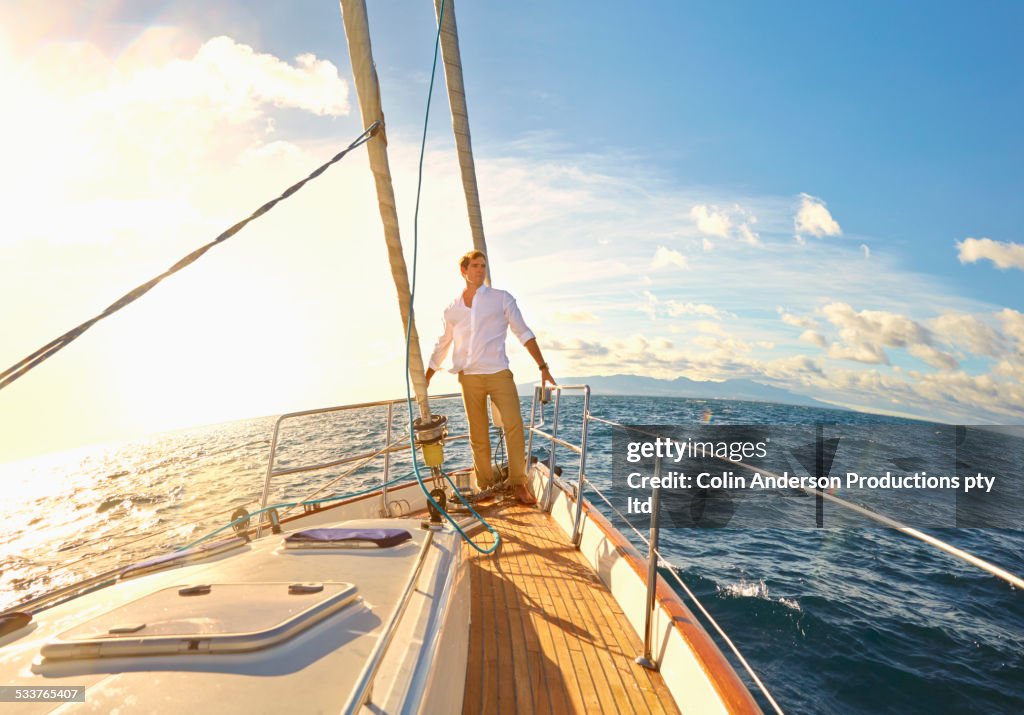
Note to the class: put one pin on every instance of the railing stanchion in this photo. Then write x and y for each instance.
(387, 464)
(546, 502)
(270, 471)
(647, 660)
(533, 419)
(577, 535)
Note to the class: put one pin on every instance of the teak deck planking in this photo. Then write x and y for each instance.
(546, 635)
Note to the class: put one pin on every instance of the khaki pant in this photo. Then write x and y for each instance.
(502, 389)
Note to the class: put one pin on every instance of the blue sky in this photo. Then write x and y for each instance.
(822, 196)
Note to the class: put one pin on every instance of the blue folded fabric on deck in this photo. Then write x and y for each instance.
(380, 537)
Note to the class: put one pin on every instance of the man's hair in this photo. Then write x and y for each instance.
(466, 258)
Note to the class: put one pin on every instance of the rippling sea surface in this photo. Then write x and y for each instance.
(860, 620)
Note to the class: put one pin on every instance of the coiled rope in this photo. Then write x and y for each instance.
(52, 348)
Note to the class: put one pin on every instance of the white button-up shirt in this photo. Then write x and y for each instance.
(479, 332)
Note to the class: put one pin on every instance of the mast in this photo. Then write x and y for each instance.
(368, 90)
(460, 121)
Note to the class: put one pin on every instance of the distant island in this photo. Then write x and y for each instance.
(636, 385)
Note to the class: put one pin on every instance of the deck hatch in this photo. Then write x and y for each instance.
(231, 618)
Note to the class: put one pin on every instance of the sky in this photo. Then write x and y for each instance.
(824, 197)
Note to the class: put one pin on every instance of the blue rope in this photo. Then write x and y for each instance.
(408, 328)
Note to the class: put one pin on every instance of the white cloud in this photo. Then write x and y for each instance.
(721, 345)
(711, 221)
(969, 331)
(706, 244)
(813, 218)
(866, 332)
(717, 222)
(795, 320)
(813, 337)
(706, 326)
(748, 235)
(867, 251)
(877, 326)
(1002, 253)
(933, 356)
(576, 346)
(574, 316)
(650, 305)
(797, 368)
(666, 258)
(234, 74)
(653, 307)
(859, 352)
(972, 393)
(1013, 325)
(126, 134)
(1012, 369)
(677, 309)
(947, 394)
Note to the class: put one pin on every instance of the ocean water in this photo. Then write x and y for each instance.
(838, 620)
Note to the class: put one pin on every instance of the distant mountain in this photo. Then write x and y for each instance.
(740, 389)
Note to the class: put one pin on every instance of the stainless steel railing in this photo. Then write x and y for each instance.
(646, 659)
(581, 450)
(383, 452)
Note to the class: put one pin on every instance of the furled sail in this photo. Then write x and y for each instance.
(460, 121)
(368, 88)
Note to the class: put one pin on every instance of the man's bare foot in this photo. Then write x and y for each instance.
(522, 493)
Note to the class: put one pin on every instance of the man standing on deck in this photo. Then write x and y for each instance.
(477, 321)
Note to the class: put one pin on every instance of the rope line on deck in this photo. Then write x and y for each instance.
(53, 347)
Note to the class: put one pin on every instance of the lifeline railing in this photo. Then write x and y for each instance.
(541, 397)
(110, 576)
(363, 458)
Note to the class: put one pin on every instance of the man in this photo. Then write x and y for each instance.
(477, 322)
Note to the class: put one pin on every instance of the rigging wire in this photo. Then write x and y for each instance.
(408, 327)
(23, 366)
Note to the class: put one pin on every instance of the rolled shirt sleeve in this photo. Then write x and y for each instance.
(515, 320)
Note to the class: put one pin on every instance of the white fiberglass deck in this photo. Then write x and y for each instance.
(312, 670)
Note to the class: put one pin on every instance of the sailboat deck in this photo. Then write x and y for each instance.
(546, 635)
